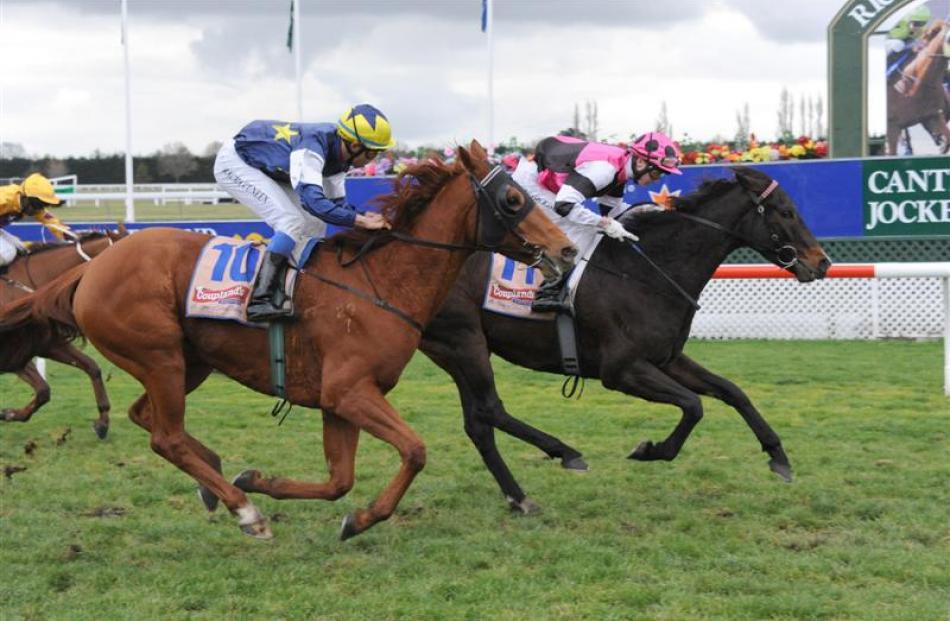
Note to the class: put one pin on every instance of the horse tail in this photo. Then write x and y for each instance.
(31, 324)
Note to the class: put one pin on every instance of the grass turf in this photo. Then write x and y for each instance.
(106, 529)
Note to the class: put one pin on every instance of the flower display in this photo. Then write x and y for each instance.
(694, 153)
(802, 148)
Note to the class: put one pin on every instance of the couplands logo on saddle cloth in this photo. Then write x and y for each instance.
(512, 286)
(223, 278)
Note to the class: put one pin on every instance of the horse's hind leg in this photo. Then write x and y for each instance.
(140, 413)
(161, 410)
(644, 380)
(699, 379)
(340, 439)
(31, 375)
(463, 354)
(67, 354)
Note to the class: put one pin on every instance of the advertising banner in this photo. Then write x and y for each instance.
(849, 198)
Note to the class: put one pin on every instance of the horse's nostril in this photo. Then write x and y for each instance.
(568, 253)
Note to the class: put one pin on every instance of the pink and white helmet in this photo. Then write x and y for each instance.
(659, 150)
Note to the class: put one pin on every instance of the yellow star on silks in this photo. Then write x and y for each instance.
(284, 132)
(664, 196)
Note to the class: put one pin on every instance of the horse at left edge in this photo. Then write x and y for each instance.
(41, 264)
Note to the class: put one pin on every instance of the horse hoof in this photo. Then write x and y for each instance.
(783, 470)
(348, 528)
(209, 500)
(642, 452)
(258, 530)
(7, 415)
(101, 430)
(575, 463)
(243, 481)
(525, 507)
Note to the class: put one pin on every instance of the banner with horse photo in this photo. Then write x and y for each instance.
(917, 79)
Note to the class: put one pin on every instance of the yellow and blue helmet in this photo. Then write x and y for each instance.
(366, 125)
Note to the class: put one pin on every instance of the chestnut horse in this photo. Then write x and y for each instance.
(42, 264)
(918, 96)
(631, 322)
(362, 302)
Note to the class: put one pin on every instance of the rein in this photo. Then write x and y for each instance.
(758, 200)
(76, 243)
(504, 221)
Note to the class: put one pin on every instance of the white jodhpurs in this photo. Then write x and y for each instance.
(274, 202)
(526, 174)
(9, 246)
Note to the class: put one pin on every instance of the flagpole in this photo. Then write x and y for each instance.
(489, 30)
(298, 26)
(129, 202)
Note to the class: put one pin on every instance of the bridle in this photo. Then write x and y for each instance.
(785, 253)
(76, 242)
(494, 219)
(759, 201)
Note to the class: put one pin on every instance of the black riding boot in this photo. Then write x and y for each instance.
(547, 299)
(267, 301)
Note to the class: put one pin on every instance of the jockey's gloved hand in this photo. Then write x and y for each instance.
(614, 229)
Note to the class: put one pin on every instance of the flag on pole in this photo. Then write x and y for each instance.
(484, 15)
(290, 31)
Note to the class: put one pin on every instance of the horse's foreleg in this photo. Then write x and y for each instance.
(67, 354)
(893, 132)
(31, 375)
(340, 439)
(363, 405)
(699, 379)
(643, 379)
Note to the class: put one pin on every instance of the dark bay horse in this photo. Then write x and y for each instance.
(29, 272)
(631, 323)
(361, 301)
(918, 96)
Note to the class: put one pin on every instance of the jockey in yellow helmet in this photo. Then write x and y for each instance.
(292, 176)
(31, 198)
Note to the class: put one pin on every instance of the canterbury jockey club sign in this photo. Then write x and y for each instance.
(838, 198)
(907, 197)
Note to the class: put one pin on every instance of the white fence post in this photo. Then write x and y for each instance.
(946, 335)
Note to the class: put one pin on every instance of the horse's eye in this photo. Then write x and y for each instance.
(787, 214)
(512, 199)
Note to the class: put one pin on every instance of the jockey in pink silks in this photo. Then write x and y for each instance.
(567, 171)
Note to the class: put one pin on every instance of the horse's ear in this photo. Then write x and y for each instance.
(750, 178)
(466, 158)
(478, 151)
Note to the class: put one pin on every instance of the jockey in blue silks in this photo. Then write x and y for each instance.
(292, 176)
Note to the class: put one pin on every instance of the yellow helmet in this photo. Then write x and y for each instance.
(39, 187)
(366, 125)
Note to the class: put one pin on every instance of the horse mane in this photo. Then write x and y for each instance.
(707, 190)
(53, 245)
(413, 191)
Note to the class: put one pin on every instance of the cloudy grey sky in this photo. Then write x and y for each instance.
(203, 68)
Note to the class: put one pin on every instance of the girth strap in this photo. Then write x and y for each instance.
(567, 340)
(278, 362)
